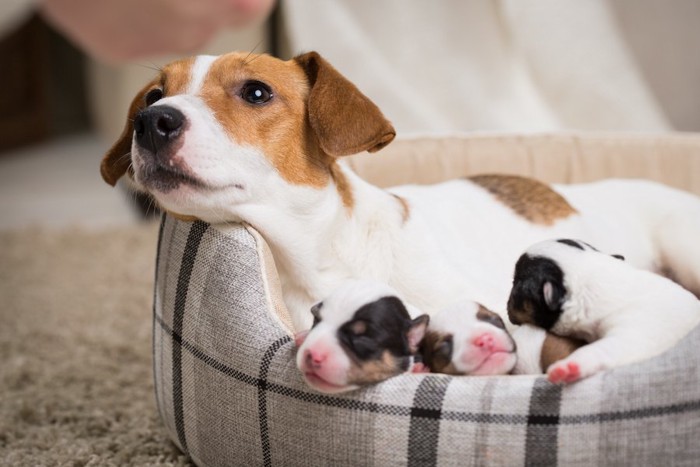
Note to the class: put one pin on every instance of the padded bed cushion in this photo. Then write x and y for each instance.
(229, 393)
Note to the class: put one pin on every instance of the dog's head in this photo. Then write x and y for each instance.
(362, 334)
(547, 280)
(212, 133)
(468, 339)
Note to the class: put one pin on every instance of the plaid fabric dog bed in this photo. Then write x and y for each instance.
(229, 392)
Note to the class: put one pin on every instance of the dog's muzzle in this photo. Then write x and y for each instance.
(155, 128)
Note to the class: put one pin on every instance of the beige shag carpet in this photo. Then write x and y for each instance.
(75, 350)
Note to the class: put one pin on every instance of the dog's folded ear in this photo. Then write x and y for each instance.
(416, 332)
(344, 120)
(117, 160)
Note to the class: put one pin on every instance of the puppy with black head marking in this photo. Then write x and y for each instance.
(362, 333)
(625, 314)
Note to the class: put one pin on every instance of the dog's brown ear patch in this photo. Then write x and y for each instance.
(118, 159)
(344, 120)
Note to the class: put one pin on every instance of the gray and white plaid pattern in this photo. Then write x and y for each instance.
(229, 393)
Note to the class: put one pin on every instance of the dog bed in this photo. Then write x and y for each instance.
(229, 393)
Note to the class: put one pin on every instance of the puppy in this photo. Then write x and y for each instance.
(362, 333)
(571, 289)
(250, 138)
(468, 339)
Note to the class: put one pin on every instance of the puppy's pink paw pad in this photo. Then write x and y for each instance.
(564, 373)
(574, 372)
(300, 337)
(420, 368)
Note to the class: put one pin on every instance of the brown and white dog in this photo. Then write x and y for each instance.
(251, 138)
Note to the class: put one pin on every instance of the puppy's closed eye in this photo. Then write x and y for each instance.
(316, 312)
(444, 348)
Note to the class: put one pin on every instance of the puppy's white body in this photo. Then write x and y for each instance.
(529, 340)
(275, 165)
(626, 313)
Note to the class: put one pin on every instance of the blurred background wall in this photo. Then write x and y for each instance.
(50, 89)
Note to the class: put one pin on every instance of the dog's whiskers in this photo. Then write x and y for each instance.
(245, 60)
(152, 66)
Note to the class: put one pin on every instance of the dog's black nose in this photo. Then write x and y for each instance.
(155, 127)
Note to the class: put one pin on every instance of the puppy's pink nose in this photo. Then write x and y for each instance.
(485, 342)
(315, 358)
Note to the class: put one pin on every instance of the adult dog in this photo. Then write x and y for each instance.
(251, 138)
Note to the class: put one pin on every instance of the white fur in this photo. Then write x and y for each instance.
(529, 340)
(627, 313)
(199, 71)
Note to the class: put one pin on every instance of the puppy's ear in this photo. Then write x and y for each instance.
(344, 120)
(553, 296)
(118, 159)
(416, 332)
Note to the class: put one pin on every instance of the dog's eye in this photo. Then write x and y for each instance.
(256, 92)
(153, 96)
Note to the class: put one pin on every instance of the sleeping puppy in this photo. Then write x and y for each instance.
(468, 339)
(362, 333)
(626, 314)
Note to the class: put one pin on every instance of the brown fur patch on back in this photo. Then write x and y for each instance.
(374, 371)
(529, 198)
(555, 348)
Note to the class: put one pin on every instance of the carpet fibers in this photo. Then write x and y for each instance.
(75, 350)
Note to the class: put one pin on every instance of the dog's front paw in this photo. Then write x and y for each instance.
(300, 337)
(564, 371)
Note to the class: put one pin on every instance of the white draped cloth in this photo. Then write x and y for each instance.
(491, 65)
